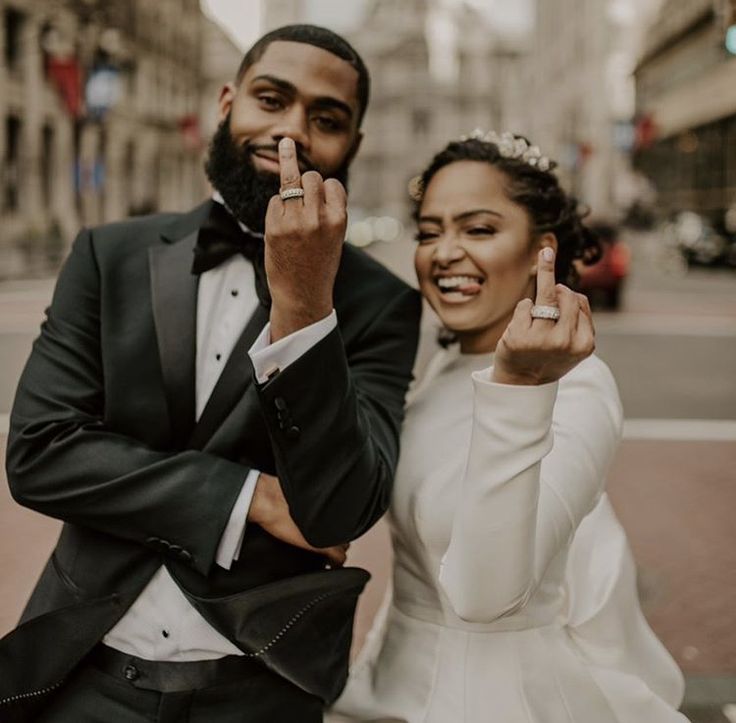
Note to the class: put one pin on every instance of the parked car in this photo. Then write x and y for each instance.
(603, 281)
(698, 240)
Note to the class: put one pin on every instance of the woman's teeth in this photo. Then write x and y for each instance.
(450, 283)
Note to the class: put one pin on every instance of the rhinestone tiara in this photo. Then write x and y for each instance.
(509, 146)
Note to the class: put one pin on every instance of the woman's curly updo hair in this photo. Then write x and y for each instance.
(549, 207)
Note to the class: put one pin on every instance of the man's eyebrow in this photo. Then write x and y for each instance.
(280, 83)
(326, 102)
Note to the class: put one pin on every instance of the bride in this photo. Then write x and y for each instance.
(510, 603)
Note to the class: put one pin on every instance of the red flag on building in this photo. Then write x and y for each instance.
(191, 132)
(66, 75)
(645, 131)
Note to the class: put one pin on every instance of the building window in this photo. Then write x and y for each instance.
(13, 40)
(420, 120)
(47, 165)
(129, 176)
(11, 190)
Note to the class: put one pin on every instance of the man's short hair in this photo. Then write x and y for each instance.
(320, 38)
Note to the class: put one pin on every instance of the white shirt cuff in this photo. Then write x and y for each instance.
(232, 538)
(268, 358)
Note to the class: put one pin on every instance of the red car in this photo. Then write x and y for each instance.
(602, 282)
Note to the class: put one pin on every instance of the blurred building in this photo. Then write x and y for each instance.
(101, 105)
(220, 62)
(580, 95)
(686, 108)
(275, 13)
(437, 73)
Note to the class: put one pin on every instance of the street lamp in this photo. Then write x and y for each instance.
(731, 39)
(726, 11)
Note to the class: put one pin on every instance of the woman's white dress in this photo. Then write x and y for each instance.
(495, 614)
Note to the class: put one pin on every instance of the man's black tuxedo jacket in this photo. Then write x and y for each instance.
(103, 437)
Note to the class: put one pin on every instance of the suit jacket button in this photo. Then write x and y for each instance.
(280, 403)
(185, 556)
(131, 672)
(293, 432)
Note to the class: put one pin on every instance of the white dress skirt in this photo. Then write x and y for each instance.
(513, 597)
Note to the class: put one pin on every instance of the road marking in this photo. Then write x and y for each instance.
(686, 430)
(666, 325)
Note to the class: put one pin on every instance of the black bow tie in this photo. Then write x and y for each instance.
(221, 238)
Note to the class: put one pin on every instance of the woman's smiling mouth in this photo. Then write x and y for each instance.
(458, 288)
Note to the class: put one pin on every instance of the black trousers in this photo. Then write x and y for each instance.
(96, 695)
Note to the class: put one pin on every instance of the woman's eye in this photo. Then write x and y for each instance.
(481, 231)
(425, 236)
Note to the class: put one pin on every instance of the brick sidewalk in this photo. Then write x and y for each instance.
(676, 501)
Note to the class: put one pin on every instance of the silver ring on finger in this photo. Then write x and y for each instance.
(545, 312)
(287, 193)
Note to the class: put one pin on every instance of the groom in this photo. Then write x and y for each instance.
(214, 415)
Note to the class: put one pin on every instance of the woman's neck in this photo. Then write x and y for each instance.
(478, 343)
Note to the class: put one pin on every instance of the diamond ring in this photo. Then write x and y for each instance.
(288, 193)
(545, 312)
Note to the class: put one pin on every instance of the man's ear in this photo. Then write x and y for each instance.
(546, 240)
(225, 102)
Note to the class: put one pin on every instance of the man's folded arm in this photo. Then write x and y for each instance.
(64, 462)
(334, 423)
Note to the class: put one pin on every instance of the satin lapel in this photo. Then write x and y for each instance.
(174, 299)
(234, 380)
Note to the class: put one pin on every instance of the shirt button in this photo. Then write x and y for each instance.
(218, 357)
(130, 672)
(234, 292)
(165, 633)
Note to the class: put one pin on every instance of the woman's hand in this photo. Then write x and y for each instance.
(539, 351)
(270, 510)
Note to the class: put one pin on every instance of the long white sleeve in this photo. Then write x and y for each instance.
(536, 466)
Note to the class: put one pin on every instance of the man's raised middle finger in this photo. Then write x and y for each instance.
(288, 165)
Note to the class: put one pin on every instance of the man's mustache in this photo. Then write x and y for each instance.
(304, 163)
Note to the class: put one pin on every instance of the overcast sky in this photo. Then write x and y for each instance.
(241, 18)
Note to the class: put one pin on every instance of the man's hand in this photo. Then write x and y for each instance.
(304, 238)
(539, 351)
(270, 510)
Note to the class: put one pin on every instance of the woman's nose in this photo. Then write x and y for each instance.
(447, 250)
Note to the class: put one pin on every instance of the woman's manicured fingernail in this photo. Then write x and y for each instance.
(548, 254)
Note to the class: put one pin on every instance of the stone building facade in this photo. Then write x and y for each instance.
(101, 104)
(580, 94)
(686, 103)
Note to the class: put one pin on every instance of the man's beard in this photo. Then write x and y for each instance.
(246, 190)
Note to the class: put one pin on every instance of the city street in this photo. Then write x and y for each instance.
(672, 348)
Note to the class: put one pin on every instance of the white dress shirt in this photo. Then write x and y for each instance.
(161, 624)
